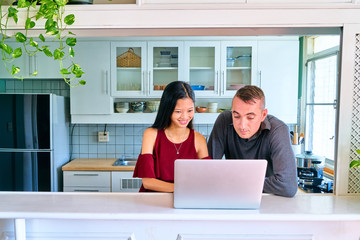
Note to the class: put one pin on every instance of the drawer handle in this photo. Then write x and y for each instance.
(79, 190)
(86, 174)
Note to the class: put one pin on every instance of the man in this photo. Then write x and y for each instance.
(247, 132)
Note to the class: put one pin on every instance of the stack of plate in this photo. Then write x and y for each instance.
(121, 107)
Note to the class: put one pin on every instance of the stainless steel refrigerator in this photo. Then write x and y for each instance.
(34, 141)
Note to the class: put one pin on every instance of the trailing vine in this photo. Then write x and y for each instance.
(56, 24)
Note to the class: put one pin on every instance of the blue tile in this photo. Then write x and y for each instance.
(93, 148)
(129, 149)
(110, 155)
(129, 139)
(84, 139)
(84, 155)
(76, 155)
(93, 155)
(75, 128)
(84, 130)
(93, 139)
(111, 128)
(120, 130)
(75, 140)
(120, 139)
(138, 139)
(101, 148)
(120, 149)
(75, 148)
(10, 84)
(84, 148)
(110, 148)
(93, 130)
(129, 130)
(137, 148)
(102, 155)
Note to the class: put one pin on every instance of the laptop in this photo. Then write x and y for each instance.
(231, 184)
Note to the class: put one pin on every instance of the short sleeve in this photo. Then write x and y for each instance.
(145, 166)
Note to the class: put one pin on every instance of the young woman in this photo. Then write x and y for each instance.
(171, 137)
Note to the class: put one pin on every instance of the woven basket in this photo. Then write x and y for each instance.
(128, 59)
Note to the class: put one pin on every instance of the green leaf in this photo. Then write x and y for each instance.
(47, 52)
(33, 4)
(71, 41)
(6, 48)
(69, 19)
(358, 151)
(42, 38)
(76, 70)
(12, 13)
(29, 24)
(82, 82)
(23, 4)
(58, 54)
(20, 37)
(61, 3)
(52, 31)
(354, 164)
(14, 70)
(71, 52)
(33, 43)
(34, 73)
(17, 53)
(64, 71)
(71, 33)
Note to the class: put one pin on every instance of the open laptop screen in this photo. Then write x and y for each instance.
(235, 183)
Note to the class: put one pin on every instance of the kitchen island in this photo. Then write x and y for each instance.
(26, 215)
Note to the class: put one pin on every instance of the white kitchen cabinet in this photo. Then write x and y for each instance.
(202, 64)
(165, 65)
(128, 79)
(87, 181)
(94, 97)
(238, 66)
(278, 64)
(123, 181)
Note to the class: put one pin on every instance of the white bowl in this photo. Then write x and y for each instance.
(122, 110)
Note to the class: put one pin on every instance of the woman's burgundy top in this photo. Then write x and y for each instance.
(160, 164)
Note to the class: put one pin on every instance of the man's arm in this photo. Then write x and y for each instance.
(284, 180)
(216, 142)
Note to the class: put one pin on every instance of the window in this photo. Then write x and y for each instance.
(321, 97)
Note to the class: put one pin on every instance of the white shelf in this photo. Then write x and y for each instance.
(135, 118)
(128, 68)
(165, 68)
(238, 68)
(201, 68)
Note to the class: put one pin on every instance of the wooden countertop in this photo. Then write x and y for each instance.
(95, 164)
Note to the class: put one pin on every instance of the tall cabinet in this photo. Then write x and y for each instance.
(95, 97)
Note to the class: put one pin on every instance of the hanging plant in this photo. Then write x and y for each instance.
(56, 24)
(355, 163)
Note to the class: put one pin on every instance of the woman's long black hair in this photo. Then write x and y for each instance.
(174, 91)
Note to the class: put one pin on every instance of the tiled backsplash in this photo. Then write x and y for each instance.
(123, 140)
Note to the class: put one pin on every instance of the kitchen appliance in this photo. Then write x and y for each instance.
(34, 141)
(310, 173)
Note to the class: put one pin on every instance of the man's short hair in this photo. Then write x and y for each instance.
(250, 93)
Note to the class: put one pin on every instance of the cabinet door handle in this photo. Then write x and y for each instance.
(223, 81)
(217, 82)
(150, 81)
(86, 174)
(259, 79)
(107, 82)
(143, 87)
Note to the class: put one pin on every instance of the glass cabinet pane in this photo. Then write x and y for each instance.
(202, 67)
(128, 62)
(165, 66)
(238, 67)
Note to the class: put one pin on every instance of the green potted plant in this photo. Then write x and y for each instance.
(55, 27)
(355, 163)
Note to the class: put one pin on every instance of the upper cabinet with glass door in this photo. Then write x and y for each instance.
(128, 64)
(165, 65)
(238, 66)
(202, 61)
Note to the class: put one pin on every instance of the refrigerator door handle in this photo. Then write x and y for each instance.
(23, 150)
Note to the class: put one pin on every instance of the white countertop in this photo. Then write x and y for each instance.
(159, 206)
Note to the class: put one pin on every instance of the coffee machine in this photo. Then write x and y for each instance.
(310, 174)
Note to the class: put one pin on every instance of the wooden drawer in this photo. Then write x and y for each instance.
(95, 179)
